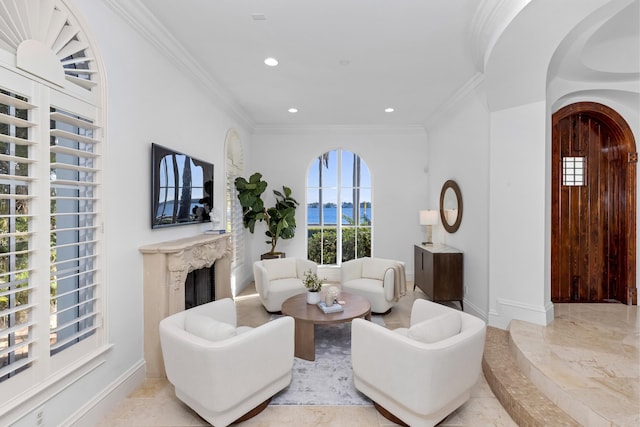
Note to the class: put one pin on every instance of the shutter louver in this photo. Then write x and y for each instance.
(16, 325)
(74, 229)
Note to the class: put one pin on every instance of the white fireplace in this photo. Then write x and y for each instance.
(166, 265)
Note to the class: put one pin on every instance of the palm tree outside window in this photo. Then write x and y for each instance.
(339, 208)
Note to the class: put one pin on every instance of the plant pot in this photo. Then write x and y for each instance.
(313, 297)
(273, 255)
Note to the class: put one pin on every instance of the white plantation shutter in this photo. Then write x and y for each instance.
(49, 231)
(51, 291)
(234, 169)
(73, 228)
(16, 195)
(234, 220)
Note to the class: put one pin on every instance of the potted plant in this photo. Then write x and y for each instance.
(280, 218)
(313, 285)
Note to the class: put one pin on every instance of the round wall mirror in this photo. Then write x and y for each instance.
(451, 206)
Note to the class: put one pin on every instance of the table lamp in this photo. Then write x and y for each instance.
(428, 218)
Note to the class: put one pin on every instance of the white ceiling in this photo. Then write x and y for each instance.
(340, 62)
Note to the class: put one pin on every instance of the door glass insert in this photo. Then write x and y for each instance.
(573, 171)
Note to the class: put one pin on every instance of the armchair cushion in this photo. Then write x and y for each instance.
(437, 328)
(207, 327)
(373, 269)
(282, 268)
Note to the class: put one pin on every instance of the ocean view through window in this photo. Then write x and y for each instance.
(330, 213)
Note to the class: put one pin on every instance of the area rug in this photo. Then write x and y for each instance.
(329, 379)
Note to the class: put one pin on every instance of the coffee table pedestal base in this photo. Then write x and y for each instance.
(305, 340)
(307, 316)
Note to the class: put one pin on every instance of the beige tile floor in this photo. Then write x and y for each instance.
(587, 361)
(154, 403)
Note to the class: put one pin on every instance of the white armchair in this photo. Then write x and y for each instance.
(213, 364)
(379, 280)
(420, 374)
(279, 279)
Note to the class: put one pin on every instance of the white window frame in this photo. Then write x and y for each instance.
(78, 91)
(338, 189)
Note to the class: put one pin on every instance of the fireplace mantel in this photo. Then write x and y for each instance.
(166, 265)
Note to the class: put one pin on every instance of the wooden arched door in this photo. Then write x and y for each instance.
(593, 232)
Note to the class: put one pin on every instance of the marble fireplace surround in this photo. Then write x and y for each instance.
(166, 265)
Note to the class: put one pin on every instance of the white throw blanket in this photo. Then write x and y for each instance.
(399, 281)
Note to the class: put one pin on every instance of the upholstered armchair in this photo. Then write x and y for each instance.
(381, 281)
(420, 374)
(279, 279)
(214, 365)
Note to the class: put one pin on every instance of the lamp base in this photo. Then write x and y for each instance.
(429, 235)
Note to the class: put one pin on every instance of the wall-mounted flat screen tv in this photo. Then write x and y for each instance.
(181, 188)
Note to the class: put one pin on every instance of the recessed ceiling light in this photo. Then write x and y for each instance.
(389, 110)
(293, 110)
(258, 17)
(271, 62)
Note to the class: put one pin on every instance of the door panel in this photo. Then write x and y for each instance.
(591, 207)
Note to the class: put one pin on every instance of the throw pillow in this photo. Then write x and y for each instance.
(280, 268)
(207, 327)
(437, 328)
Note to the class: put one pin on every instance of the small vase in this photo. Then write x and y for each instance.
(313, 297)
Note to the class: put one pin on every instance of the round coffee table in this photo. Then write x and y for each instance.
(308, 315)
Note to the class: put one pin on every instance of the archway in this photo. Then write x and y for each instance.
(593, 202)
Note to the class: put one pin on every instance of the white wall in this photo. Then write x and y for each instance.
(149, 100)
(517, 215)
(459, 150)
(396, 159)
(522, 96)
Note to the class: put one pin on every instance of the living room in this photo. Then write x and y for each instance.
(491, 134)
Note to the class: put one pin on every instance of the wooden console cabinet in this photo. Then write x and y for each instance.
(438, 272)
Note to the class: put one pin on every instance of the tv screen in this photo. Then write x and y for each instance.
(181, 188)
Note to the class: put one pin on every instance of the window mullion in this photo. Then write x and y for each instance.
(339, 209)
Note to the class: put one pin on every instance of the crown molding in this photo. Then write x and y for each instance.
(476, 80)
(138, 17)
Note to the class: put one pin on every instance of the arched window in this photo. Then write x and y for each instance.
(339, 208)
(51, 268)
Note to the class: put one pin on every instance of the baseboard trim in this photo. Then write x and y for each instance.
(471, 308)
(505, 310)
(102, 404)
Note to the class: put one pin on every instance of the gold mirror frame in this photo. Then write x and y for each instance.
(451, 206)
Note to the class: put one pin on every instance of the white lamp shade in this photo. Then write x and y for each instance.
(428, 217)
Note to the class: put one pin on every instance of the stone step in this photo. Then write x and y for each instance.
(517, 394)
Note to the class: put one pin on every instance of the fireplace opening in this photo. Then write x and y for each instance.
(200, 287)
